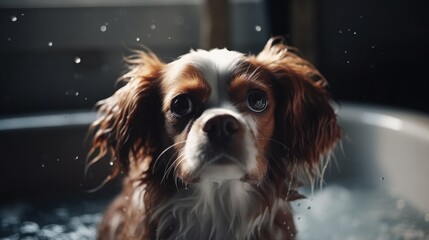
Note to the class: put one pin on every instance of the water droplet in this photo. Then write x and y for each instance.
(137, 39)
(427, 217)
(22, 14)
(103, 28)
(153, 26)
(58, 159)
(43, 165)
(348, 29)
(309, 208)
(373, 46)
(382, 178)
(298, 204)
(169, 38)
(354, 33)
(340, 31)
(345, 51)
(347, 61)
(148, 35)
(86, 99)
(13, 18)
(76, 158)
(50, 44)
(299, 218)
(77, 60)
(76, 94)
(361, 17)
(258, 28)
(111, 163)
(9, 39)
(284, 222)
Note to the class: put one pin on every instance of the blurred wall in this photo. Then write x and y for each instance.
(40, 43)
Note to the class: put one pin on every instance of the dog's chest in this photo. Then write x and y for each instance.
(208, 211)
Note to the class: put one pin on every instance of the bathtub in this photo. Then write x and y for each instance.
(376, 186)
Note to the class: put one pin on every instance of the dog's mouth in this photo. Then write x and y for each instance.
(221, 168)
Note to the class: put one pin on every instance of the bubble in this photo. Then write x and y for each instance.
(13, 18)
(103, 28)
(153, 26)
(50, 44)
(381, 178)
(137, 39)
(77, 60)
(29, 227)
(258, 28)
(52, 230)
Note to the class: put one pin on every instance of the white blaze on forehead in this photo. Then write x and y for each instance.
(216, 66)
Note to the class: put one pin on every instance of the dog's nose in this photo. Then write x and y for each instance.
(221, 127)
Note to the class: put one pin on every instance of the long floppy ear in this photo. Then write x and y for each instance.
(129, 121)
(308, 125)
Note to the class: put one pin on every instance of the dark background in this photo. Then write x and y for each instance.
(371, 52)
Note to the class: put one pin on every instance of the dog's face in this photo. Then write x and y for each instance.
(219, 109)
(219, 115)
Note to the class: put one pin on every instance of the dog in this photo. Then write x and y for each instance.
(214, 144)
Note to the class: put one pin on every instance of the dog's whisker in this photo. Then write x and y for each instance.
(163, 152)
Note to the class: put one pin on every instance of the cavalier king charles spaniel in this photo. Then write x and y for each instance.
(214, 144)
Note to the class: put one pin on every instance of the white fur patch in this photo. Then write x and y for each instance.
(210, 210)
(194, 151)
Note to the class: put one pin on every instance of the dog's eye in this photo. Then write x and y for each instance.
(257, 101)
(181, 106)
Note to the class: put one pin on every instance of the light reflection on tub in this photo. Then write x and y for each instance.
(381, 190)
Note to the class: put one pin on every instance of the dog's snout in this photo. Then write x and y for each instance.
(221, 127)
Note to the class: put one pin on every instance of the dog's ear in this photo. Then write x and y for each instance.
(306, 122)
(128, 122)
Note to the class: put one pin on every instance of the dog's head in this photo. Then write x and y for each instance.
(218, 115)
